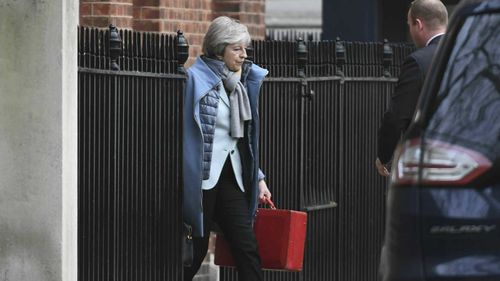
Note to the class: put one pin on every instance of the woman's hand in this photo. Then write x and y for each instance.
(263, 192)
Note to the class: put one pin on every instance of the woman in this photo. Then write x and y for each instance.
(222, 179)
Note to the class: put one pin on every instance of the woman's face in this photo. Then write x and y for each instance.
(234, 56)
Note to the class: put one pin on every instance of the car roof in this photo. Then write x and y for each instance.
(469, 7)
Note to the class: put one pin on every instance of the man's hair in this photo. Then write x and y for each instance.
(431, 12)
(222, 32)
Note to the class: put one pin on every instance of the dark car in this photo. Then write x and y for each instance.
(443, 205)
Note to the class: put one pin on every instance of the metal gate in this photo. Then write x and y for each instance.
(130, 143)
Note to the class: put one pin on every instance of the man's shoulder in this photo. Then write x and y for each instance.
(423, 57)
(424, 53)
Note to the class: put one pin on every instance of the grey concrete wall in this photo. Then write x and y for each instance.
(38, 139)
(293, 13)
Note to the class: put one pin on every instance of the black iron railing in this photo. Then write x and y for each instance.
(129, 157)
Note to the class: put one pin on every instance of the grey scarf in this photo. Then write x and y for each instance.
(238, 97)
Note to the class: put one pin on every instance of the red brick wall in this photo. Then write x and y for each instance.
(249, 12)
(167, 16)
(101, 13)
(191, 16)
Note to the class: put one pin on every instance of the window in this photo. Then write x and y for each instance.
(468, 113)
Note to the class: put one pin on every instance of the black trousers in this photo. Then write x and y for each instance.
(227, 205)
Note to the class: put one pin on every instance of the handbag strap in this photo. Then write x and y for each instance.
(269, 202)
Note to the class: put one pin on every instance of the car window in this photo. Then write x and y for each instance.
(468, 113)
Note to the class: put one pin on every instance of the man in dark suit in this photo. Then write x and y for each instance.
(427, 21)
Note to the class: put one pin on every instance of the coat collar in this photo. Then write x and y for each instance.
(434, 39)
(209, 79)
(205, 79)
(256, 73)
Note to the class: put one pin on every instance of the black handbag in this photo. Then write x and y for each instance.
(187, 246)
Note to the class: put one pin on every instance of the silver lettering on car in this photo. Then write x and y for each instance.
(462, 229)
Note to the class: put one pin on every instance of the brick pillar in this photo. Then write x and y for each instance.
(101, 13)
(249, 12)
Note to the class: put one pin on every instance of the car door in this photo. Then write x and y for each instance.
(459, 158)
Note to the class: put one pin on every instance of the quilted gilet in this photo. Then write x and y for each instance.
(208, 115)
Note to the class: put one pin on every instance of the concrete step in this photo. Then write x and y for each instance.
(208, 270)
(202, 277)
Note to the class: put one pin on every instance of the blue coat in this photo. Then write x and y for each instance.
(199, 82)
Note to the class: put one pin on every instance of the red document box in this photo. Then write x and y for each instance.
(280, 236)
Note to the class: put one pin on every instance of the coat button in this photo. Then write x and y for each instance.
(232, 151)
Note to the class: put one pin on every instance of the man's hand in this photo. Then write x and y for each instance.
(263, 191)
(382, 170)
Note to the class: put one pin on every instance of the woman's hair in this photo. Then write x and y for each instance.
(222, 32)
